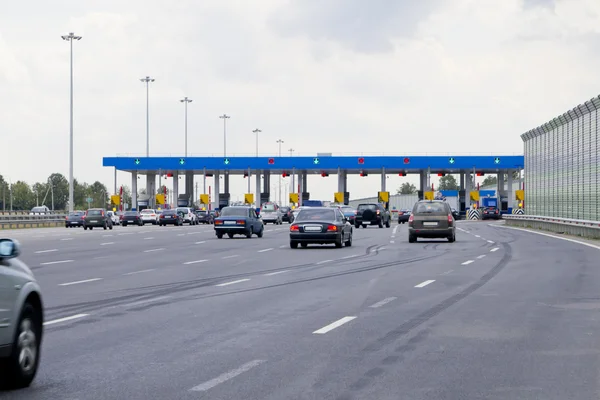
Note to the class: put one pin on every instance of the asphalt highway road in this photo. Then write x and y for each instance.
(174, 313)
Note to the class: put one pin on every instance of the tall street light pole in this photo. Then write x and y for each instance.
(292, 188)
(147, 81)
(70, 37)
(280, 142)
(257, 131)
(186, 101)
(224, 117)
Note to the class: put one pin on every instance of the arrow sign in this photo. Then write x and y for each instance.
(181, 161)
(451, 160)
(226, 161)
(315, 160)
(497, 160)
(137, 161)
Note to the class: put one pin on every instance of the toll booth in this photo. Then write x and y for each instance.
(265, 197)
(224, 200)
(305, 196)
(143, 202)
(462, 201)
(421, 195)
(183, 200)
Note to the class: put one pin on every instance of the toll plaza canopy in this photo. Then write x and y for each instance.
(330, 164)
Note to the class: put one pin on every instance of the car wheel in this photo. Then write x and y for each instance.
(380, 224)
(91, 228)
(412, 238)
(293, 244)
(357, 226)
(452, 238)
(260, 233)
(219, 235)
(349, 241)
(110, 227)
(22, 365)
(230, 235)
(387, 224)
(304, 245)
(105, 226)
(85, 228)
(249, 233)
(124, 224)
(339, 243)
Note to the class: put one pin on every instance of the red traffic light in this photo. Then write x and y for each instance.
(406, 160)
(441, 174)
(169, 175)
(324, 174)
(363, 173)
(245, 174)
(285, 174)
(480, 174)
(271, 161)
(361, 160)
(402, 174)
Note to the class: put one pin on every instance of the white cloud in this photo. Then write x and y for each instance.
(400, 77)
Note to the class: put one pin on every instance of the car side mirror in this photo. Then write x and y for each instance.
(259, 216)
(9, 248)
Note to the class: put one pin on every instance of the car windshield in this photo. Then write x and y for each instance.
(182, 210)
(147, 211)
(94, 212)
(75, 214)
(316, 215)
(234, 212)
(284, 209)
(202, 213)
(268, 207)
(347, 210)
(131, 213)
(170, 212)
(430, 208)
(367, 207)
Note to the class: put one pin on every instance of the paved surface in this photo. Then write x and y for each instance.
(174, 313)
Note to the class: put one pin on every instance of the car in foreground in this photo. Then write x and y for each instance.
(170, 217)
(431, 219)
(188, 215)
(204, 217)
(403, 216)
(131, 218)
(149, 216)
(75, 218)
(270, 212)
(320, 225)
(97, 218)
(372, 214)
(238, 220)
(21, 319)
(490, 213)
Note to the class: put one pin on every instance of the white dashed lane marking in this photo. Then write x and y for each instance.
(333, 325)
(65, 319)
(481, 256)
(423, 284)
(232, 282)
(56, 262)
(383, 302)
(203, 387)
(495, 249)
(79, 282)
(468, 262)
(46, 251)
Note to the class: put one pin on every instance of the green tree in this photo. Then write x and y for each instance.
(23, 197)
(4, 194)
(406, 188)
(97, 191)
(448, 182)
(39, 192)
(80, 194)
(127, 195)
(60, 186)
(141, 191)
(489, 180)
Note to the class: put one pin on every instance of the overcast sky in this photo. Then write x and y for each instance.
(345, 76)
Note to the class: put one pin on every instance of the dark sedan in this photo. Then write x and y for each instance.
(238, 220)
(170, 217)
(204, 217)
(491, 213)
(75, 218)
(286, 214)
(320, 225)
(131, 217)
(403, 216)
(349, 212)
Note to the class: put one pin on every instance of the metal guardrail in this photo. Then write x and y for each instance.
(15, 220)
(577, 227)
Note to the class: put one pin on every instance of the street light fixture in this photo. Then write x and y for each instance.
(147, 81)
(257, 131)
(224, 117)
(186, 101)
(70, 37)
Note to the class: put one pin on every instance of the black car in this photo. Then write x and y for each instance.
(97, 218)
(239, 220)
(490, 213)
(372, 214)
(170, 217)
(204, 217)
(75, 218)
(403, 216)
(286, 214)
(131, 217)
(455, 213)
(320, 225)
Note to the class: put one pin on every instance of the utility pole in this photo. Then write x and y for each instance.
(70, 37)
(224, 117)
(186, 101)
(280, 143)
(257, 131)
(147, 81)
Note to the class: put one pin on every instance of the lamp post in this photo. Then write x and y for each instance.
(224, 117)
(147, 81)
(186, 101)
(279, 142)
(257, 131)
(70, 37)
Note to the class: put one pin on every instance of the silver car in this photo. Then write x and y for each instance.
(21, 319)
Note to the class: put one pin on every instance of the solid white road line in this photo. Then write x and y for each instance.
(232, 282)
(148, 238)
(140, 272)
(490, 241)
(423, 284)
(138, 303)
(194, 262)
(106, 244)
(67, 239)
(78, 282)
(468, 262)
(128, 233)
(323, 262)
(56, 262)
(45, 251)
(552, 236)
(203, 387)
(477, 236)
(481, 256)
(283, 246)
(495, 249)
(233, 256)
(334, 325)
(204, 241)
(151, 250)
(350, 256)
(107, 235)
(194, 233)
(263, 250)
(181, 234)
(65, 319)
(277, 273)
(395, 230)
(383, 302)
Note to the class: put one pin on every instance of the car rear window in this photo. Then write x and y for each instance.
(367, 207)
(316, 215)
(234, 212)
(94, 212)
(130, 212)
(268, 207)
(430, 208)
(147, 211)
